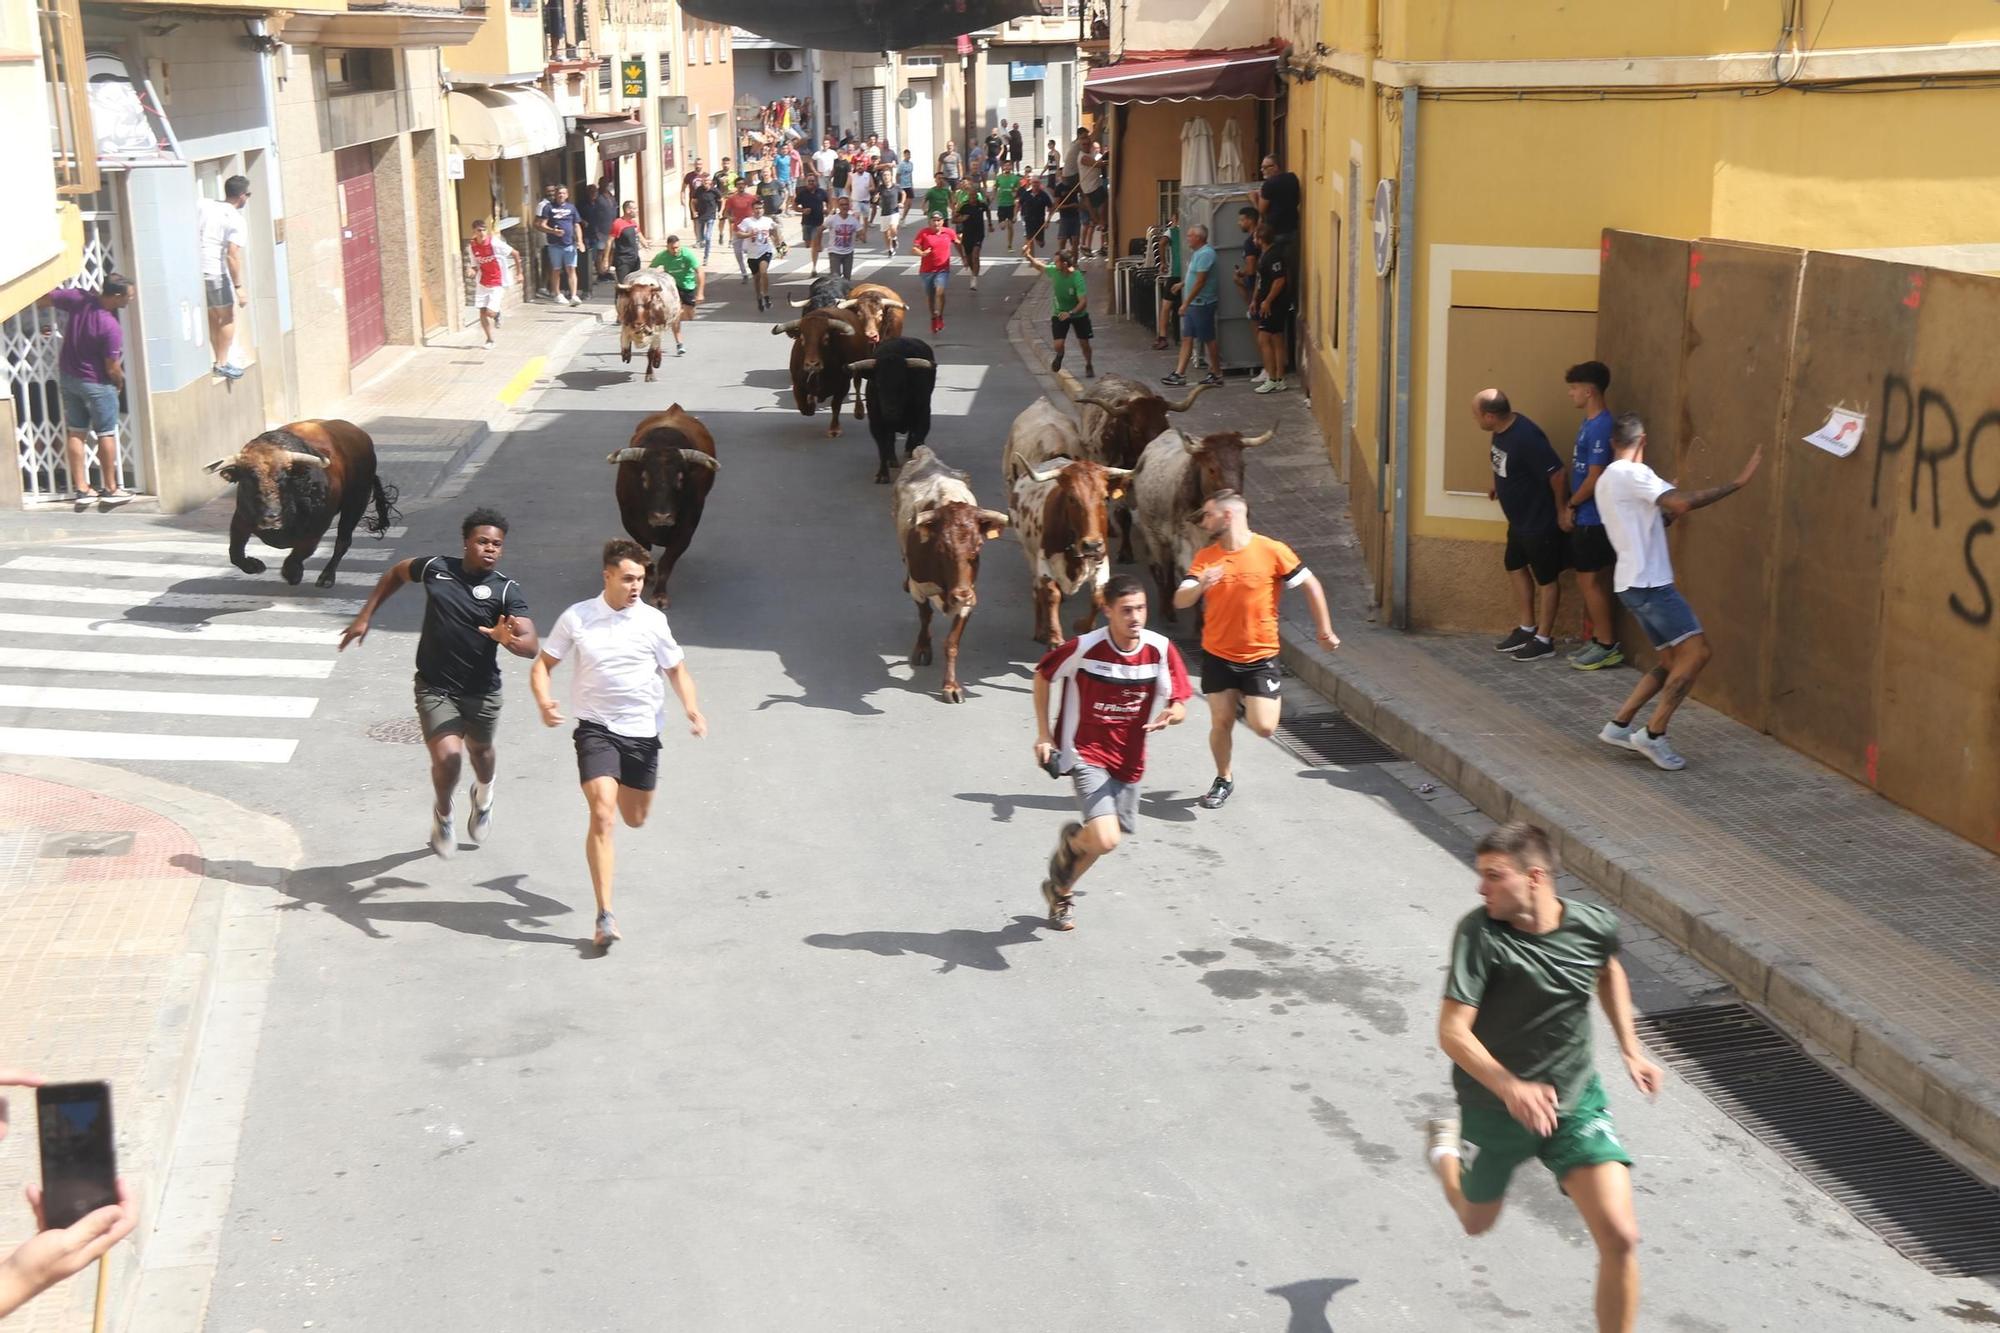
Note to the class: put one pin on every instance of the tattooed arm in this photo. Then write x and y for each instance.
(1678, 502)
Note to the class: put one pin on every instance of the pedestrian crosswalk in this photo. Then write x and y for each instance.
(91, 632)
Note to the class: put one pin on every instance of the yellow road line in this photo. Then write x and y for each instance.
(522, 382)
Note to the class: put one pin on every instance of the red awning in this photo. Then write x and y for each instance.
(1186, 78)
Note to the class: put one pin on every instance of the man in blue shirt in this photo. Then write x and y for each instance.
(1199, 293)
(1590, 553)
(1532, 486)
(562, 226)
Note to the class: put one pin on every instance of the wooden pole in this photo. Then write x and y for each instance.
(103, 1282)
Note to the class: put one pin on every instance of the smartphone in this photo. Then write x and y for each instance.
(79, 1164)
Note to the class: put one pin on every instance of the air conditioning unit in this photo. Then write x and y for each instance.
(787, 62)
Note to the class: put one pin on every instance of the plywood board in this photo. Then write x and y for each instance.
(1735, 369)
(1642, 294)
(1939, 690)
(1523, 353)
(1855, 340)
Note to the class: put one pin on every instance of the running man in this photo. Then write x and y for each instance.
(1590, 552)
(690, 280)
(758, 241)
(933, 242)
(843, 228)
(1516, 1024)
(809, 202)
(1005, 186)
(1069, 310)
(487, 259)
(623, 648)
(471, 611)
(1119, 684)
(1635, 502)
(1238, 577)
(968, 211)
(738, 207)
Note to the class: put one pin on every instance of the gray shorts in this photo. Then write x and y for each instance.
(221, 292)
(476, 717)
(1099, 794)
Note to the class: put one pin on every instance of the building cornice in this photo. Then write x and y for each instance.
(1746, 69)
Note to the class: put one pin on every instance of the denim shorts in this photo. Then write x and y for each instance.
(562, 256)
(936, 282)
(86, 403)
(1663, 613)
(1198, 322)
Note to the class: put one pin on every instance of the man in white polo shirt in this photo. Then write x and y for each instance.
(622, 648)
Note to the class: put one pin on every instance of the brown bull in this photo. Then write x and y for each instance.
(293, 482)
(648, 307)
(824, 342)
(664, 476)
(1059, 514)
(1176, 473)
(1119, 418)
(941, 527)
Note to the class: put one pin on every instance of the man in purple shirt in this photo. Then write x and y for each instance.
(91, 375)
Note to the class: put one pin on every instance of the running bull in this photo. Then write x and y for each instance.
(647, 308)
(899, 380)
(876, 310)
(824, 345)
(664, 476)
(1176, 473)
(293, 482)
(941, 527)
(1059, 513)
(1119, 418)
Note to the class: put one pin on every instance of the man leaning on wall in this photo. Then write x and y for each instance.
(222, 236)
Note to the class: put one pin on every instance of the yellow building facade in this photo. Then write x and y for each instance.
(1512, 137)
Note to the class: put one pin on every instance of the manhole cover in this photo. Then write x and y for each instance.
(397, 731)
(1326, 740)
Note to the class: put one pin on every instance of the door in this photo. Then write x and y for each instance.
(360, 252)
(923, 150)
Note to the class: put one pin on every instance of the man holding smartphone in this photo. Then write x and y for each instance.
(623, 649)
(55, 1253)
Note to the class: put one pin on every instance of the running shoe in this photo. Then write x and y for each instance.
(1090, 372)
(1596, 655)
(1534, 648)
(1218, 791)
(1174, 378)
(1260, 377)
(1212, 380)
(1062, 861)
(680, 349)
(113, 499)
(1062, 908)
(481, 822)
(606, 932)
(1441, 1139)
(1056, 363)
(1658, 749)
(1514, 640)
(83, 499)
(1618, 734)
(444, 836)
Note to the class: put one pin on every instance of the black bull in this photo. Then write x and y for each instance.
(898, 381)
(292, 482)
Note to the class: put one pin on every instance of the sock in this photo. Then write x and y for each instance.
(1654, 735)
(1621, 723)
(1526, 629)
(1443, 1150)
(482, 794)
(1543, 638)
(1602, 644)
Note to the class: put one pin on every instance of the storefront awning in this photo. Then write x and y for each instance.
(488, 123)
(616, 136)
(1185, 77)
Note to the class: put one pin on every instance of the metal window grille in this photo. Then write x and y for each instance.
(30, 370)
(871, 108)
(604, 76)
(75, 147)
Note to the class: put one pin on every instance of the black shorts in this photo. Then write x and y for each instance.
(1590, 548)
(1274, 321)
(1079, 324)
(1069, 226)
(972, 237)
(1005, 212)
(603, 753)
(1255, 679)
(1542, 554)
(1037, 231)
(1097, 197)
(756, 261)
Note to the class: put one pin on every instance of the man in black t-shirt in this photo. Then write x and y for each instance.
(1279, 199)
(1032, 203)
(1271, 303)
(1532, 485)
(809, 202)
(471, 611)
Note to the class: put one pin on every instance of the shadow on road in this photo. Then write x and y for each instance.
(1157, 805)
(1308, 1300)
(350, 893)
(978, 949)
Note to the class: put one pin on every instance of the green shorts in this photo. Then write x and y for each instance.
(473, 716)
(1496, 1143)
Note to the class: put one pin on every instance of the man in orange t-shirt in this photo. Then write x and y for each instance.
(1238, 577)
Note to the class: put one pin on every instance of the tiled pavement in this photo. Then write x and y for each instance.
(1858, 924)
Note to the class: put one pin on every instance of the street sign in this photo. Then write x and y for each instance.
(907, 99)
(1385, 227)
(632, 76)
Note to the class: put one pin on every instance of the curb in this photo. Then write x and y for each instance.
(1923, 1082)
(223, 831)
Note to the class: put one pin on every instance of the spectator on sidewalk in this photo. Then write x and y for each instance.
(628, 243)
(1090, 175)
(1532, 487)
(1590, 551)
(90, 376)
(1247, 222)
(600, 213)
(738, 207)
(1069, 311)
(1635, 502)
(56, 1254)
(487, 259)
(1198, 294)
(1032, 203)
(1167, 262)
(1271, 306)
(704, 203)
(223, 235)
(1279, 199)
(689, 279)
(1015, 146)
(810, 204)
(562, 224)
(842, 228)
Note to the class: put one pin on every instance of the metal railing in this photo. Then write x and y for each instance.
(73, 142)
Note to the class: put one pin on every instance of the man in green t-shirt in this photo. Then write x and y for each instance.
(1005, 185)
(1516, 1024)
(1069, 308)
(937, 199)
(689, 279)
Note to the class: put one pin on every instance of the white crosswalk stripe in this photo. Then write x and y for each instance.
(88, 629)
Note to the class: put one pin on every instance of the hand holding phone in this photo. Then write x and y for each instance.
(79, 1164)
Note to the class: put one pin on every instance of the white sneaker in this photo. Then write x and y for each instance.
(1659, 750)
(444, 834)
(481, 824)
(1613, 734)
(1260, 377)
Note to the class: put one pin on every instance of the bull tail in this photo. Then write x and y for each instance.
(386, 512)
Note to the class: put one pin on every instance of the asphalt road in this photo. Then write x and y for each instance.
(839, 1076)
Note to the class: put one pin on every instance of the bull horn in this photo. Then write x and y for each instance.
(1071, 386)
(923, 516)
(1195, 446)
(626, 455)
(1252, 441)
(840, 326)
(995, 518)
(697, 456)
(919, 363)
(310, 460)
(891, 303)
(1118, 473)
(789, 326)
(866, 363)
(222, 463)
(848, 304)
(1047, 471)
(1187, 402)
(800, 305)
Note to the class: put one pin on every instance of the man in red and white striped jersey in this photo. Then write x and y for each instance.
(1117, 684)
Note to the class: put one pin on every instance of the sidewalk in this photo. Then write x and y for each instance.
(1861, 927)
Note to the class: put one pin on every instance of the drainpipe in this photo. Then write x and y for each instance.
(1406, 244)
(274, 189)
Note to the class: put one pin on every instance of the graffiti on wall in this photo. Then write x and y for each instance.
(1945, 458)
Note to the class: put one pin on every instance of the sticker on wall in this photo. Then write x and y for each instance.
(1841, 435)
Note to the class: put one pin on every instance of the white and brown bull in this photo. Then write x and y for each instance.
(293, 482)
(940, 528)
(1059, 514)
(1176, 473)
(648, 307)
(1118, 418)
(1041, 432)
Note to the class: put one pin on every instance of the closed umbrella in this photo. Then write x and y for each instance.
(1229, 165)
(1197, 153)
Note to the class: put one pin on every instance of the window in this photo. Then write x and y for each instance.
(694, 53)
(707, 45)
(604, 76)
(358, 70)
(63, 67)
(1170, 200)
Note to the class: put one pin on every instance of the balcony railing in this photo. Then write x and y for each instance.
(73, 142)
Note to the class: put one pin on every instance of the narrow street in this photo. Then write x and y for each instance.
(838, 1075)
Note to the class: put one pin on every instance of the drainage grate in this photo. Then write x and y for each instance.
(1932, 1210)
(1328, 739)
(398, 731)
